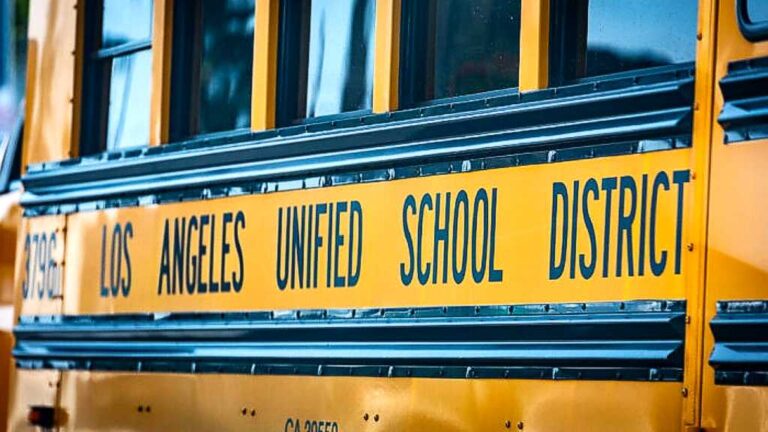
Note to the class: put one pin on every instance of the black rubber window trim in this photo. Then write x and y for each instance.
(752, 31)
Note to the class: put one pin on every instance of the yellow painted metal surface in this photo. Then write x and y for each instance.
(702, 117)
(40, 253)
(51, 81)
(264, 96)
(162, 38)
(132, 402)
(510, 239)
(31, 388)
(386, 71)
(534, 45)
(10, 219)
(737, 258)
(120, 269)
(6, 344)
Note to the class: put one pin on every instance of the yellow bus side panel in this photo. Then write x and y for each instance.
(50, 81)
(737, 259)
(370, 253)
(31, 388)
(128, 402)
(10, 220)
(39, 265)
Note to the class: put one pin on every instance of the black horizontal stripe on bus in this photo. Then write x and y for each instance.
(376, 175)
(636, 340)
(618, 111)
(740, 356)
(744, 116)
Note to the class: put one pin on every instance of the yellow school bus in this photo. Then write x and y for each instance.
(429, 215)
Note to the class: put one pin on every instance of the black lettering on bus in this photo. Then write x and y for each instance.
(339, 280)
(679, 178)
(322, 209)
(441, 237)
(297, 247)
(355, 221)
(422, 271)
(179, 250)
(608, 186)
(406, 276)
(191, 261)
(641, 249)
(574, 228)
(587, 270)
(226, 219)
(657, 266)
(626, 220)
(238, 279)
(213, 286)
(448, 218)
(557, 265)
(125, 284)
(636, 214)
(300, 245)
(202, 250)
(163, 274)
(459, 266)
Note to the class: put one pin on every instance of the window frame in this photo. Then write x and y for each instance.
(752, 31)
(412, 13)
(10, 161)
(97, 79)
(289, 67)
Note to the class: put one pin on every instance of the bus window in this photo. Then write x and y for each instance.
(212, 66)
(757, 10)
(118, 72)
(326, 58)
(458, 47)
(753, 19)
(600, 37)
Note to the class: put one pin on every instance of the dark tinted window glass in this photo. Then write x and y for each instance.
(126, 21)
(458, 47)
(226, 65)
(213, 64)
(326, 57)
(757, 10)
(599, 37)
(128, 118)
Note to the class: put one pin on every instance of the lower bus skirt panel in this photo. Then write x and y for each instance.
(635, 340)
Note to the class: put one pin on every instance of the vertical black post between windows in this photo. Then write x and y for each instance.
(95, 96)
(116, 75)
(416, 59)
(184, 70)
(293, 52)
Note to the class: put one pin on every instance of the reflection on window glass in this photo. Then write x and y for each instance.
(627, 35)
(128, 118)
(126, 21)
(225, 65)
(340, 70)
(757, 10)
(327, 57)
(460, 47)
(116, 75)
